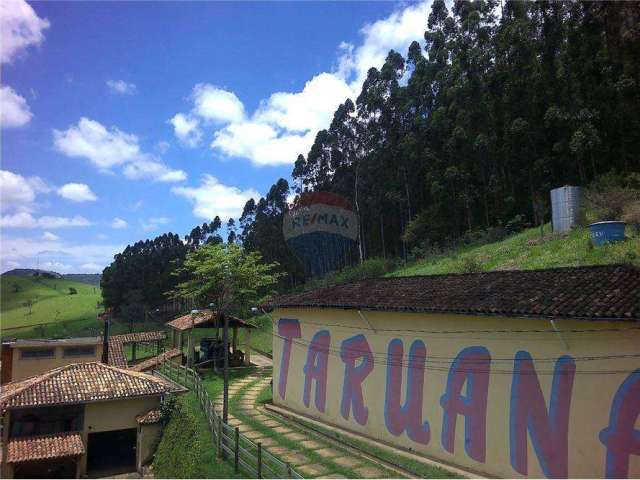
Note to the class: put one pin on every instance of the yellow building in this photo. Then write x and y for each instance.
(26, 358)
(79, 419)
(508, 374)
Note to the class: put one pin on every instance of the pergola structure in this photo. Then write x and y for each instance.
(184, 326)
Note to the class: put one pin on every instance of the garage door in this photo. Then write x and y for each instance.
(110, 453)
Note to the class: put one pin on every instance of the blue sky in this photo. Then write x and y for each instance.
(121, 121)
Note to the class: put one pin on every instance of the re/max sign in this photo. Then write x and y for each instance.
(530, 416)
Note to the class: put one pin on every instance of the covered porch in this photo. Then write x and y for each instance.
(210, 350)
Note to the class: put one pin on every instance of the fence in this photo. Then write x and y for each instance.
(248, 456)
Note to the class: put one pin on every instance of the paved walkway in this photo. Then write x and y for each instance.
(312, 456)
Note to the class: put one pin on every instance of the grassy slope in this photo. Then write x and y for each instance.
(186, 449)
(52, 304)
(527, 250)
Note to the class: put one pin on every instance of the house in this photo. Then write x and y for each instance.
(81, 419)
(508, 374)
(25, 358)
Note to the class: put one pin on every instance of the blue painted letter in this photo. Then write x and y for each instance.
(352, 349)
(288, 329)
(316, 369)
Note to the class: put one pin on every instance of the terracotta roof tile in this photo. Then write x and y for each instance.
(117, 357)
(153, 361)
(152, 416)
(44, 447)
(185, 322)
(597, 292)
(82, 383)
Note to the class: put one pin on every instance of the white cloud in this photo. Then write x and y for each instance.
(163, 146)
(106, 148)
(26, 220)
(286, 123)
(19, 193)
(187, 129)
(92, 267)
(77, 192)
(58, 255)
(121, 87)
(261, 143)
(91, 140)
(216, 104)
(48, 236)
(101, 236)
(213, 198)
(153, 223)
(63, 222)
(149, 167)
(14, 110)
(118, 223)
(20, 28)
(310, 109)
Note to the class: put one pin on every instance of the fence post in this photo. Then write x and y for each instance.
(289, 475)
(219, 439)
(236, 452)
(185, 376)
(259, 460)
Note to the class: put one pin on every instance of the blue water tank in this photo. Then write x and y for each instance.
(605, 232)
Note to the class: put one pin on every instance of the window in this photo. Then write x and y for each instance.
(80, 351)
(37, 353)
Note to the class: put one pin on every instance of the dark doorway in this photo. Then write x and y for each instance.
(56, 468)
(110, 453)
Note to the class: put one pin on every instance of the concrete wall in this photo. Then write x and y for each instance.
(27, 367)
(148, 439)
(470, 402)
(116, 415)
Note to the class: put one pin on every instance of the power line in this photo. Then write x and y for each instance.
(381, 358)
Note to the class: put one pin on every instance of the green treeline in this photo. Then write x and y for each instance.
(505, 101)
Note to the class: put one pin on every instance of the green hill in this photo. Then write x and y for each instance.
(35, 306)
(528, 250)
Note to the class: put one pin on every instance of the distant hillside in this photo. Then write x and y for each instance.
(36, 306)
(32, 272)
(88, 278)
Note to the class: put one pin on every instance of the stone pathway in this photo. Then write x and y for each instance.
(311, 456)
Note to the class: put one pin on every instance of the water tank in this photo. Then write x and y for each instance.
(606, 232)
(565, 207)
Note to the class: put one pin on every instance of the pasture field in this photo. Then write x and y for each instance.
(35, 306)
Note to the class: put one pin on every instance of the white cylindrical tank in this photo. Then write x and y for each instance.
(565, 208)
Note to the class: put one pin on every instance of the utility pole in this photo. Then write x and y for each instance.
(225, 342)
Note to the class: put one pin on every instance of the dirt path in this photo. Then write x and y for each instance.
(310, 455)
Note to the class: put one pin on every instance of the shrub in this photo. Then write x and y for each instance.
(470, 264)
(72, 291)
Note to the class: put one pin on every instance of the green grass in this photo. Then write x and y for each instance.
(261, 337)
(52, 305)
(526, 251)
(186, 449)
(295, 446)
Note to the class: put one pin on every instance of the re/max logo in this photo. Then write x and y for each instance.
(320, 219)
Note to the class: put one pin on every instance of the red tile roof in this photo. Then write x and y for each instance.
(153, 361)
(44, 447)
(82, 383)
(204, 317)
(117, 357)
(152, 416)
(597, 292)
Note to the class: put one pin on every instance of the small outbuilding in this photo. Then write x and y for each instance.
(182, 329)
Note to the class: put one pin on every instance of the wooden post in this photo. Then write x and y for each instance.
(234, 339)
(259, 460)
(219, 439)
(225, 399)
(236, 460)
(247, 353)
(289, 475)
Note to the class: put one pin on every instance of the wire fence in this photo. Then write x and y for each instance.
(247, 456)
